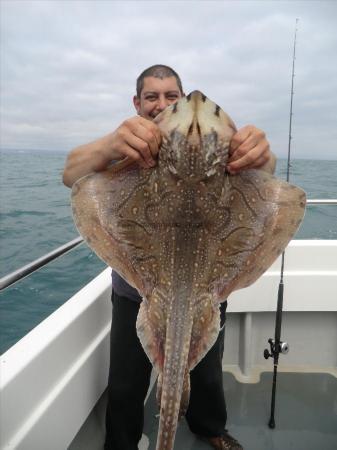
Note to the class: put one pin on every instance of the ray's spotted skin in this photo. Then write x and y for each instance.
(185, 234)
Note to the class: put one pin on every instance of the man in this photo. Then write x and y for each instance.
(140, 139)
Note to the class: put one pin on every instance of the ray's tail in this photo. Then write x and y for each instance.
(174, 382)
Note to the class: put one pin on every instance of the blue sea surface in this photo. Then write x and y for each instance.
(36, 218)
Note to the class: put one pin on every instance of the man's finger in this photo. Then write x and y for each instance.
(247, 146)
(148, 132)
(152, 127)
(247, 159)
(135, 156)
(150, 136)
(239, 137)
(246, 164)
(261, 161)
(143, 148)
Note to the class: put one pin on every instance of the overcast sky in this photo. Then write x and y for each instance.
(68, 68)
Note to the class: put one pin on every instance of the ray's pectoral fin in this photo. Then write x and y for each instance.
(104, 205)
(151, 333)
(185, 395)
(136, 239)
(205, 329)
(266, 213)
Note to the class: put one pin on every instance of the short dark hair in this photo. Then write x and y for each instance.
(157, 71)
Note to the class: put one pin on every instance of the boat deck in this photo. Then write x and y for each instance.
(306, 414)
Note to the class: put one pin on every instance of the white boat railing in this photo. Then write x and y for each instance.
(26, 270)
(322, 201)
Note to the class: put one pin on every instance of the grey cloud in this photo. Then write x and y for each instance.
(70, 67)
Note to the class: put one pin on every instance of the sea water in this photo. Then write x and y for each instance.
(36, 218)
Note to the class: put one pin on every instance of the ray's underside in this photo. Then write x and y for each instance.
(185, 234)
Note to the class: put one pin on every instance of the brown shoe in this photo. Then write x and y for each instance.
(224, 442)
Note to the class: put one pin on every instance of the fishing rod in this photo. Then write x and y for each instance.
(276, 345)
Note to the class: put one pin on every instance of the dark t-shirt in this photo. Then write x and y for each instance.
(123, 289)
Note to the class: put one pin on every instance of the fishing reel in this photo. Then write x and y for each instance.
(283, 348)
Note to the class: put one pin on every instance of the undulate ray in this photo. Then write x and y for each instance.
(185, 234)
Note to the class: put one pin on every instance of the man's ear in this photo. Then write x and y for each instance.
(136, 102)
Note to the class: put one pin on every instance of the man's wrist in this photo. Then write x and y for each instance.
(106, 152)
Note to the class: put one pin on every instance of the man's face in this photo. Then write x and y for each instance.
(156, 95)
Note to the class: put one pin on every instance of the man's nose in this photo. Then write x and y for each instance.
(162, 103)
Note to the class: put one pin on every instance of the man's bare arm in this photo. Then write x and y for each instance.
(137, 138)
(87, 158)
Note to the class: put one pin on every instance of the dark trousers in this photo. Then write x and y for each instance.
(129, 378)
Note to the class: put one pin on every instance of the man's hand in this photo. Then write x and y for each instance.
(249, 149)
(137, 138)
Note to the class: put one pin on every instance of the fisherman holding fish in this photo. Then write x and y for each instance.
(139, 138)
